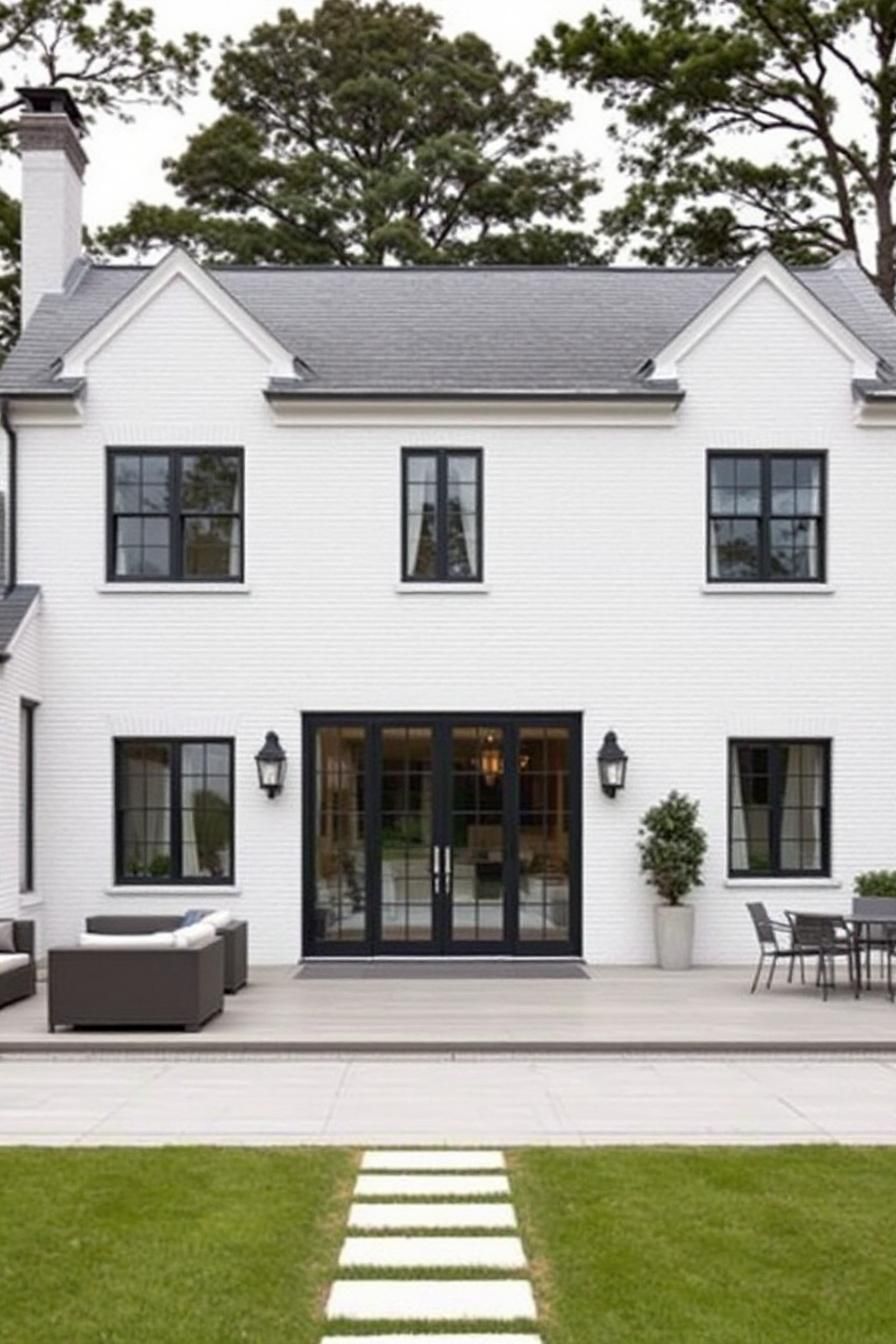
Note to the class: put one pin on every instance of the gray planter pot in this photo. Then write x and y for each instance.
(674, 928)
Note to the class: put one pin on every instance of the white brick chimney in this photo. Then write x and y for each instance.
(53, 165)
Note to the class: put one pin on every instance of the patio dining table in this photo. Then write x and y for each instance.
(859, 927)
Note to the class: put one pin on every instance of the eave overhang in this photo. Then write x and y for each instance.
(875, 403)
(637, 396)
(599, 407)
(57, 405)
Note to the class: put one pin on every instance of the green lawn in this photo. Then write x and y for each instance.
(628, 1246)
(711, 1246)
(169, 1246)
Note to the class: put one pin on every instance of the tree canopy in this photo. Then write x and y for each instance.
(746, 123)
(363, 134)
(109, 56)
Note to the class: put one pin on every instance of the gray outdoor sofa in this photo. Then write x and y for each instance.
(108, 986)
(18, 979)
(235, 937)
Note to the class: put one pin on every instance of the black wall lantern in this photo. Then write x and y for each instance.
(611, 764)
(271, 762)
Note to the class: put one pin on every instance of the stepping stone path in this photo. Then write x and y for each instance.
(445, 1215)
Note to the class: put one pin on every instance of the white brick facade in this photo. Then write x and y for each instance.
(594, 601)
(20, 680)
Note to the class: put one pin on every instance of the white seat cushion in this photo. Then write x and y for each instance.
(218, 918)
(199, 934)
(11, 961)
(121, 941)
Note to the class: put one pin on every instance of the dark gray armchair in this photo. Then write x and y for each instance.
(235, 937)
(20, 981)
(135, 987)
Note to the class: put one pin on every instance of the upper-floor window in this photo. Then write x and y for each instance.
(779, 808)
(442, 515)
(175, 515)
(766, 517)
(174, 810)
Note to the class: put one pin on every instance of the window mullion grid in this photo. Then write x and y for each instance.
(826, 808)
(765, 514)
(776, 800)
(441, 514)
(175, 829)
(175, 523)
(480, 521)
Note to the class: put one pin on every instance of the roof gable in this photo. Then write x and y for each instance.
(177, 265)
(764, 270)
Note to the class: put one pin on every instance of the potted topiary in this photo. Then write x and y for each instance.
(880, 882)
(672, 847)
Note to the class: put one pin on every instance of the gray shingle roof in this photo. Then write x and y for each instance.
(577, 330)
(14, 607)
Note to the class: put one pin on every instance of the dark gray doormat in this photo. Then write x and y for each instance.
(442, 970)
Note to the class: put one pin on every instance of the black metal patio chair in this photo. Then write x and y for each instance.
(775, 944)
(825, 937)
(891, 957)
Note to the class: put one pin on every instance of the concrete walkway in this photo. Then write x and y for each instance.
(431, 1100)
(529, 1009)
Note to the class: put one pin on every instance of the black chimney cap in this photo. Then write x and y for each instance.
(51, 99)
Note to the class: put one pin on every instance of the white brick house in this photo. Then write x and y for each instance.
(441, 530)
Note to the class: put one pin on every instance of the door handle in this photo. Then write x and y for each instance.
(446, 868)
(436, 869)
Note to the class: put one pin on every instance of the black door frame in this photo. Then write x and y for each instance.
(441, 946)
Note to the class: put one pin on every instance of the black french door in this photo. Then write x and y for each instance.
(442, 835)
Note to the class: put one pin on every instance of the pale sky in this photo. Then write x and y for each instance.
(125, 160)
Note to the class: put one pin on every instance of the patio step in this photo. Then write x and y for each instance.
(433, 1253)
(446, 1187)
(437, 1217)
(431, 1300)
(439, 1159)
(427, 1338)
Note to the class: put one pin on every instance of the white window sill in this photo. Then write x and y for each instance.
(28, 900)
(829, 883)
(206, 893)
(469, 588)
(172, 589)
(769, 589)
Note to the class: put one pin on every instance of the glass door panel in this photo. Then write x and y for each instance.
(544, 835)
(340, 903)
(406, 835)
(442, 834)
(477, 838)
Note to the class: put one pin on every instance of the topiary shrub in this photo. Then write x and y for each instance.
(672, 847)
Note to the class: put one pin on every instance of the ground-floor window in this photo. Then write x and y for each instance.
(174, 810)
(26, 795)
(779, 808)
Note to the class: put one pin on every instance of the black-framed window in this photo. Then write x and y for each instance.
(766, 517)
(779, 808)
(174, 810)
(175, 515)
(27, 710)
(441, 534)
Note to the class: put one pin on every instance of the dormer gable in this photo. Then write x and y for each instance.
(177, 266)
(764, 270)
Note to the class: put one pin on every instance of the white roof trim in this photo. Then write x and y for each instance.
(765, 270)
(178, 264)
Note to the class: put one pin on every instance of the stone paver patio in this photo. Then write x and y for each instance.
(434, 1007)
